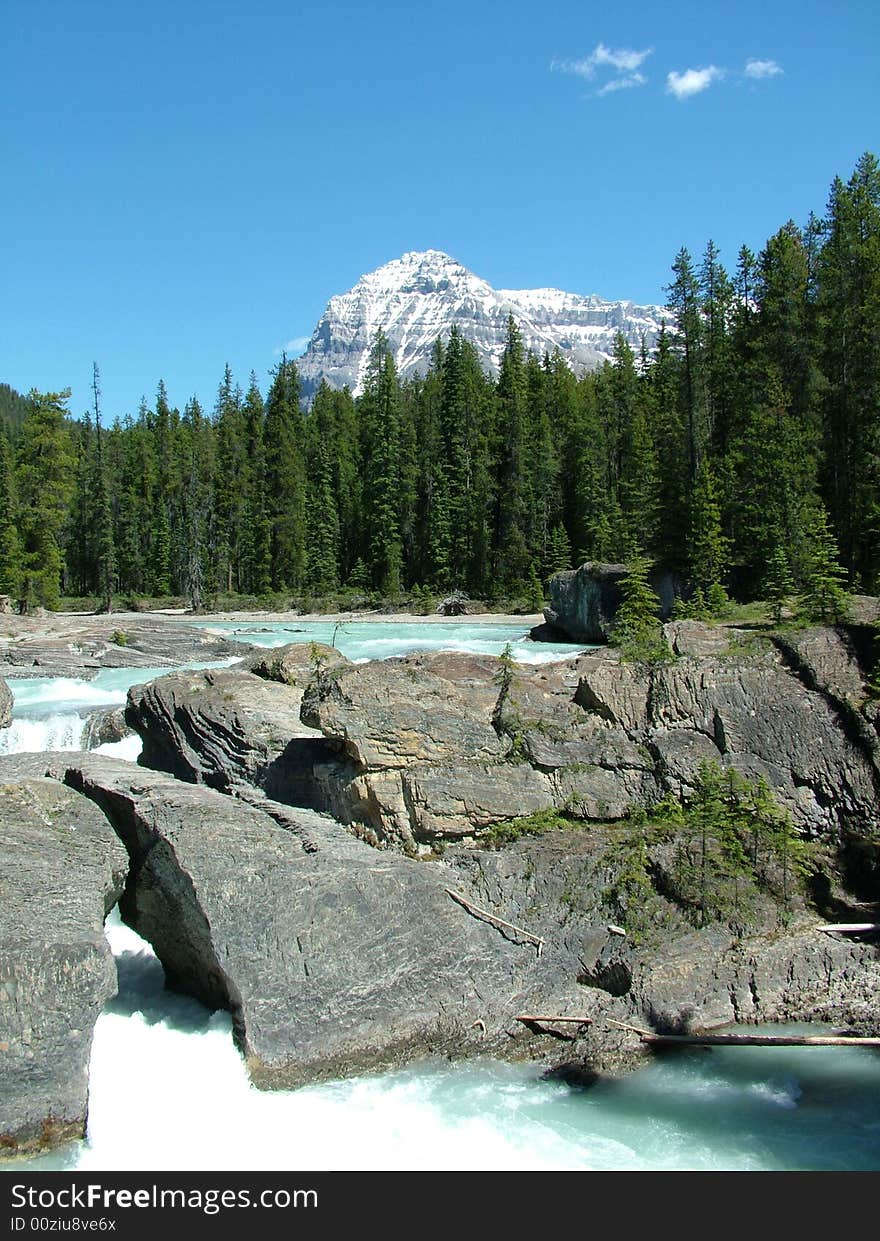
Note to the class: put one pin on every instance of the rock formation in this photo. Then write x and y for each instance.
(584, 601)
(62, 868)
(82, 646)
(334, 956)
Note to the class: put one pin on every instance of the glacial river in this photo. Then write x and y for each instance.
(171, 1064)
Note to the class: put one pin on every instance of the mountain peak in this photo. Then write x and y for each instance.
(416, 298)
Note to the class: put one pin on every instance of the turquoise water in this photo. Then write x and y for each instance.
(359, 640)
(48, 713)
(169, 1063)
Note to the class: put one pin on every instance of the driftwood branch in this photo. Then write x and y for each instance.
(537, 940)
(748, 1040)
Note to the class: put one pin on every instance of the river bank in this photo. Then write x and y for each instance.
(78, 643)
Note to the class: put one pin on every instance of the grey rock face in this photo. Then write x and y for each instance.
(584, 601)
(224, 728)
(428, 747)
(751, 712)
(594, 736)
(5, 704)
(679, 976)
(62, 869)
(331, 957)
(104, 726)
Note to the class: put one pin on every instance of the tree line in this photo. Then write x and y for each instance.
(739, 450)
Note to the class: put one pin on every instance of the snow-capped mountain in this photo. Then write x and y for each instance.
(418, 297)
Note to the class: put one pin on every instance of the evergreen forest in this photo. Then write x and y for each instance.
(741, 453)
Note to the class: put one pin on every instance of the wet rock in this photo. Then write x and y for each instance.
(330, 957)
(62, 869)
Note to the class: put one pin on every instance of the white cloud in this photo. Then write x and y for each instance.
(762, 69)
(624, 60)
(692, 81)
(636, 79)
(293, 347)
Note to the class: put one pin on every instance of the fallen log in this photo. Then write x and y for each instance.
(748, 1040)
(487, 916)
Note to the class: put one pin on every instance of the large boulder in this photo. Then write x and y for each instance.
(62, 869)
(584, 601)
(329, 958)
(294, 664)
(223, 728)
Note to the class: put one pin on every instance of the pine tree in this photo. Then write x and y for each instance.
(198, 467)
(256, 541)
(534, 591)
(779, 584)
(560, 557)
(379, 410)
(322, 521)
(849, 314)
(707, 545)
(102, 515)
(512, 556)
(685, 303)
(824, 599)
(285, 478)
(637, 629)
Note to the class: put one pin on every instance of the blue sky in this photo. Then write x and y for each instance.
(186, 184)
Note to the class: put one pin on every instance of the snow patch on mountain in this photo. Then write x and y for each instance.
(417, 298)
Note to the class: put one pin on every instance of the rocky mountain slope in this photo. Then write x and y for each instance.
(418, 297)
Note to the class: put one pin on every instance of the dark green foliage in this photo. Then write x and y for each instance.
(716, 854)
(10, 542)
(45, 489)
(707, 546)
(534, 591)
(13, 411)
(380, 412)
(541, 821)
(285, 478)
(736, 842)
